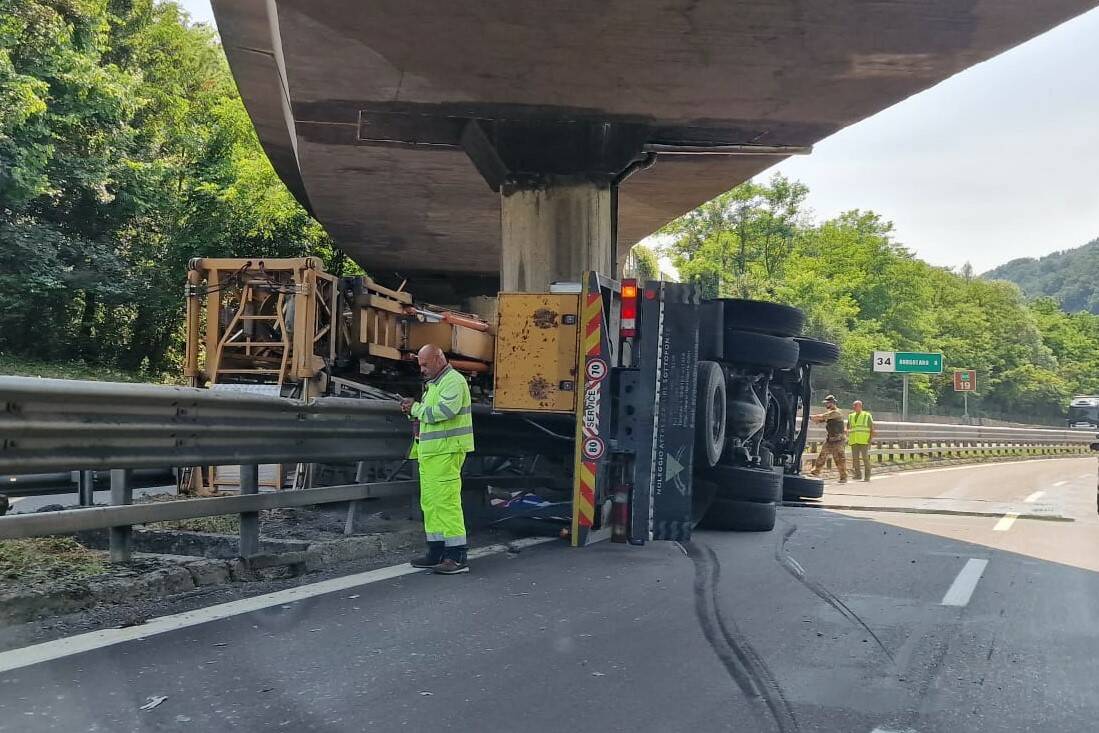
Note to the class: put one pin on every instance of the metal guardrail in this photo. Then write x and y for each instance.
(897, 440)
(59, 425)
(898, 431)
(55, 425)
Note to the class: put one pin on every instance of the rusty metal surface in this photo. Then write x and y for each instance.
(536, 348)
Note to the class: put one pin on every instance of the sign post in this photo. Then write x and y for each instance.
(965, 381)
(907, 362)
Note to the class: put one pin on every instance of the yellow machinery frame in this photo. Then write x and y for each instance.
(295, 296)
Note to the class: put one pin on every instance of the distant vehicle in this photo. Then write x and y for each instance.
(1083, 412)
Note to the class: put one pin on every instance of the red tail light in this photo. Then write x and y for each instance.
(629, 309)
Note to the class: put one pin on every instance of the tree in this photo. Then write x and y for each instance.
(862, 289)
(642, 263)
(124, 151)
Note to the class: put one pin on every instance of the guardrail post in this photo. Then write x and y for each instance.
(249, 521)
(122, 492)
(85, 488)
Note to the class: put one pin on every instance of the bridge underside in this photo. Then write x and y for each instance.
(402, 123)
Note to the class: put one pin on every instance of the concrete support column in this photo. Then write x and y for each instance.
(554, 230)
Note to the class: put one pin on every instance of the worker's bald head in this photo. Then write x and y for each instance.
(432, 360)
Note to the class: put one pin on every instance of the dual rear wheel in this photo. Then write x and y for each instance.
(753, 335)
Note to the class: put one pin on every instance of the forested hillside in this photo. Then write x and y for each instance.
(865, 291)
(1070, 277)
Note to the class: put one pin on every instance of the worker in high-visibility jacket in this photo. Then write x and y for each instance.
(444, 438)
(860, 433)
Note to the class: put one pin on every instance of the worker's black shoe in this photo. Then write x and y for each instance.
(433, 557)
(450, 566)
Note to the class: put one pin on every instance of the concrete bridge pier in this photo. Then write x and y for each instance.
(555, 228)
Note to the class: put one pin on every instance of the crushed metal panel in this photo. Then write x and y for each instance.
(536, 362)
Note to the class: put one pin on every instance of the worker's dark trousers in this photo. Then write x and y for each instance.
(860, 456)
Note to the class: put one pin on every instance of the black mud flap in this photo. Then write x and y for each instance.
(664, 403)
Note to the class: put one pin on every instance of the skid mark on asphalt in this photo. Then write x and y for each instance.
(743, 663)
(793, 567)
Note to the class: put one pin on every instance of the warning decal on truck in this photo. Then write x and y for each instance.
(590, 443)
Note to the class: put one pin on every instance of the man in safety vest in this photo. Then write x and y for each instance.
(445, 437)
(834, 440)
(860, 433)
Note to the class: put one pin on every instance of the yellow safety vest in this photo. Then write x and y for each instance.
(445, 415)
(858, 427)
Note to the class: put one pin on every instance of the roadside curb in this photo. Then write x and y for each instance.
(182, 574)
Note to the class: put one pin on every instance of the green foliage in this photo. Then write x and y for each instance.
(42, 559)
(863, 290)
(642, 263)
(1069, 277)
(124, 151)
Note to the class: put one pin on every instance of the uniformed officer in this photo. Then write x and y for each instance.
(834, 441)
(445, 437)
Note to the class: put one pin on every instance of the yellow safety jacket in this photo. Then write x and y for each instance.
(445, 415)
(858, 427)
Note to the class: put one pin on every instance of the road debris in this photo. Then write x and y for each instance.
(153, 702)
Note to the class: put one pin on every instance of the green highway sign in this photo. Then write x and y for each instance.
(917, 363)
(908, 362)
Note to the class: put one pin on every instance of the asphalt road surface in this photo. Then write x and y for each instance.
(936, 609)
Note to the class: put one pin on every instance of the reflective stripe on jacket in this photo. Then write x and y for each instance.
(445, 415)
(858, 427)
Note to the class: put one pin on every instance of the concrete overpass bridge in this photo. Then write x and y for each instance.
(515, 142)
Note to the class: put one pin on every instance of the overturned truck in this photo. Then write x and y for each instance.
(661, 409)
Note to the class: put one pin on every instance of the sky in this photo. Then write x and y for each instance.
(995, 163)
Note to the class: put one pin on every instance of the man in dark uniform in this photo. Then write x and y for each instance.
(834, 443)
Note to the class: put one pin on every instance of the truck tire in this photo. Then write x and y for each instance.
(759, 485)
(817, 353)
(702, 498)
(762, 316)
(801, 487)
(710, 414)
(731, 515)
(760, 349)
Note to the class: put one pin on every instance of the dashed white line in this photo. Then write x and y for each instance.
(961, 590)
(1005, 522)
(1060, 483)
(50, 650)
(1035, 496)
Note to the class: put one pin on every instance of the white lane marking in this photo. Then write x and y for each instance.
(1035, 496)
(1005, 522)
(1086, 475)
(963, 586)
(50, 650)
(891, 730)
(1060, 483)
